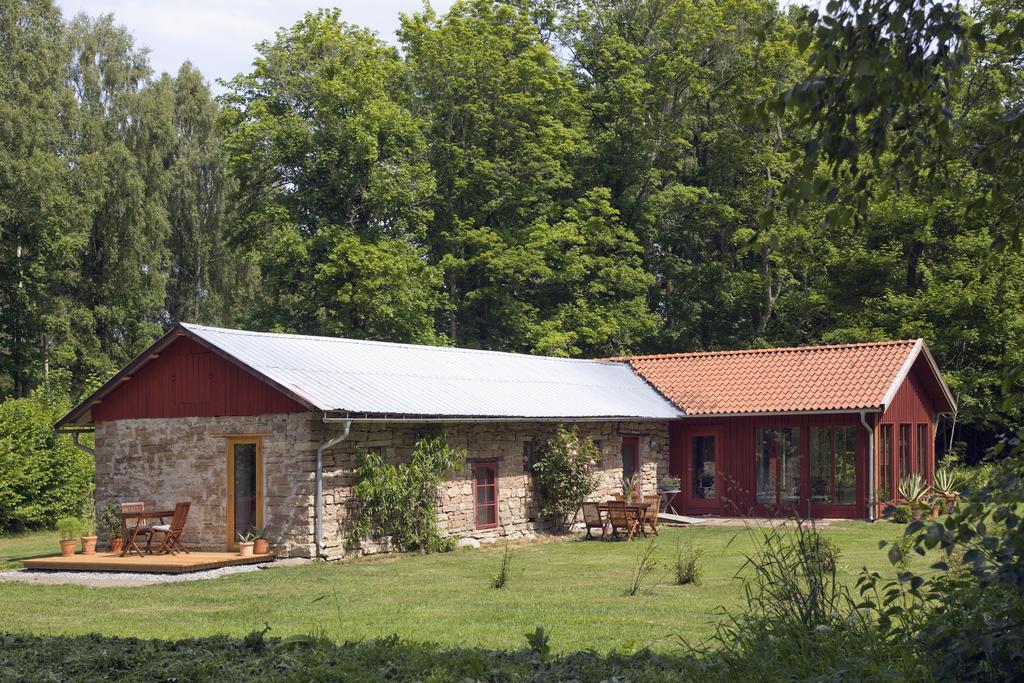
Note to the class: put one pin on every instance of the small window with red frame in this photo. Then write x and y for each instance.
(485, 494)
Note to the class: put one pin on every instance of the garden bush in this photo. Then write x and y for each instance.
(565, 475)
(400, 501)
(42, 475)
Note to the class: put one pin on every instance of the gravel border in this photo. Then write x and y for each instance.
(117, 579)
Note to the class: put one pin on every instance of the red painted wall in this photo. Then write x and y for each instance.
(189, 380)
(737, 461)
(912, 405)
(736, 464)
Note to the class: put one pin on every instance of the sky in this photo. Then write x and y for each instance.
(217, 35)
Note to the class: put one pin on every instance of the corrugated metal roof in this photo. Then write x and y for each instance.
(356, 377)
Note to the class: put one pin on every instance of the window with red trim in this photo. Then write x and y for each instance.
(485, 494)
(922, 450)
(886, 462)
(904, 451)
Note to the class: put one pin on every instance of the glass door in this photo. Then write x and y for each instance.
(702, 481)
(244, 487)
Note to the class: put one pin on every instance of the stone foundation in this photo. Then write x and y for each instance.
(161, 461)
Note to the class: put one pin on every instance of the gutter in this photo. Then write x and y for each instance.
(81, 446)
(871, 465)
(318, 505)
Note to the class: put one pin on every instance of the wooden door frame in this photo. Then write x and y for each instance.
(700, 505)
(229, 452)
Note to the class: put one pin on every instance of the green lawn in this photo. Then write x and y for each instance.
(575, 589)
(26, 546)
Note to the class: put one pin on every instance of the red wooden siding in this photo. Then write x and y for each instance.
(912, 405)
(189, 380)
(737, 461)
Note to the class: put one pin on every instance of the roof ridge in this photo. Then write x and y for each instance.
(375, 342)
(780, 349)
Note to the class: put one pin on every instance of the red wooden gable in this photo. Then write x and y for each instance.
(189, 380)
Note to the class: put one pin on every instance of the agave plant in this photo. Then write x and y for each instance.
(945, 482)
(913, 489)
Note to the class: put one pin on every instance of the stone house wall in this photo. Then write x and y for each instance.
(164, 460)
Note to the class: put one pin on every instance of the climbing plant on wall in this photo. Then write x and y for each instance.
(400, 501)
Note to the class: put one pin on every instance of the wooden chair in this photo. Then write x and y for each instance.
(651, 514)
(593, 520)
(621, 517)
(172, 531)
(133, 529)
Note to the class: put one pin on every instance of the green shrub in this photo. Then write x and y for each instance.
(565, 475)
(687, 565)
(500, 580)
(42, 475)
(69, 528)
(902, 514)
(400, 501)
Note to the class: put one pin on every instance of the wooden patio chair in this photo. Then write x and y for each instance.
(621, 517)
(172, 531)
(592, 519)
(651, 514)
(133, 529)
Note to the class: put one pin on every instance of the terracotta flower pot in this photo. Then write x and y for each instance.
(245, 549)
(950, 503)
(67, 548)
(116, 545)
(261, 546)
(88, 545)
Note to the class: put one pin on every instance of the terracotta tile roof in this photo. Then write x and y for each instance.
(838, 377)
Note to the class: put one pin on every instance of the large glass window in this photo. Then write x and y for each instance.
(703, 454)
(885, 462)
(778, 466)
(833, 465)
(904, 451)
(485, 494)
(630, 457)
(922, 449)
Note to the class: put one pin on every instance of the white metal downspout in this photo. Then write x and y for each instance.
(318, 519)
(871, 465)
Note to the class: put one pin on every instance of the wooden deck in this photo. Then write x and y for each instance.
(170, 564)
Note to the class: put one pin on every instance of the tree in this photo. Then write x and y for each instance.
(204, 270)
(526, 251)
(333, 185)
(124, 133)
(38, 233)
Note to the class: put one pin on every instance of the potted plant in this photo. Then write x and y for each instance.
(245, 544)
(670, 485)
(261, 546)
(68, 528)
(945, 486)
(88, 538)
(629, 485)
(109, 526)
(914, 491)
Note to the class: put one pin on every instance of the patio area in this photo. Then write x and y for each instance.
(164, 564)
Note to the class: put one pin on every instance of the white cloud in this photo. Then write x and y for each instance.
(217, 35)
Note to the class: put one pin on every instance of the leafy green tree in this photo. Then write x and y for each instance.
(38, 234)
(124, 133)
(532, 260)
(44, 476)
(204, 271)
(333, 185)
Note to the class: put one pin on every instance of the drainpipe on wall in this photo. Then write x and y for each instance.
(318, 519)
(871, 465)
(81, 446)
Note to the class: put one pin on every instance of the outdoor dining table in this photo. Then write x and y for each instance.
(638, 509)
(129, 534)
